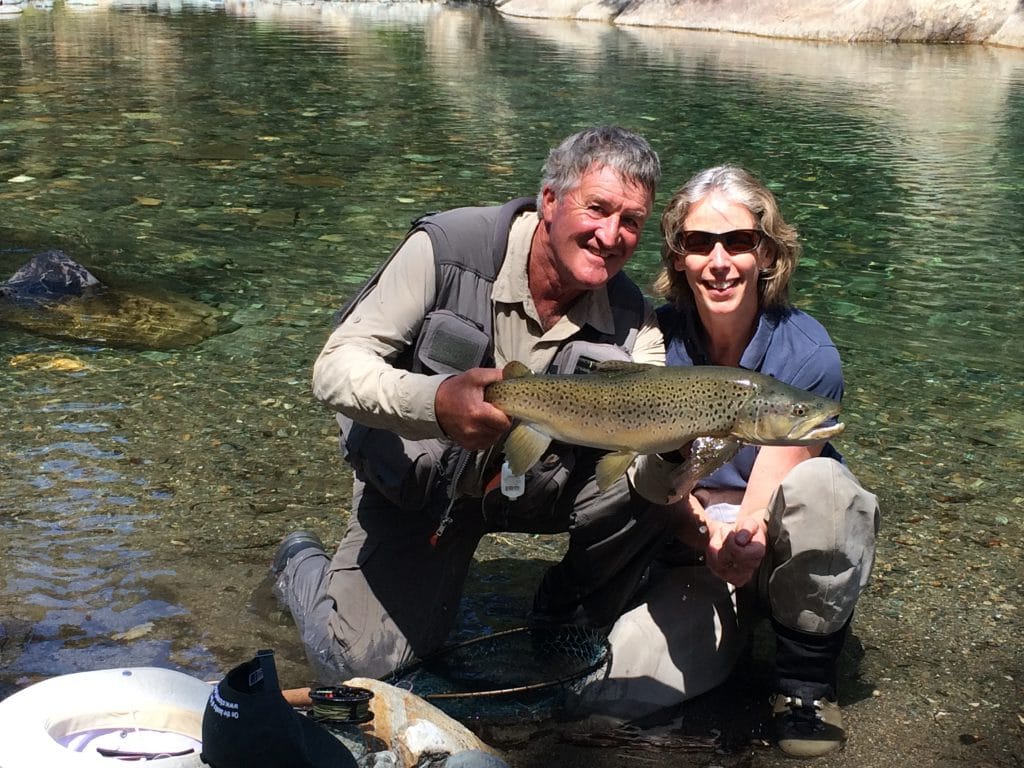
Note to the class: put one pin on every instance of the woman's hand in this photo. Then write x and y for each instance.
(735, 552)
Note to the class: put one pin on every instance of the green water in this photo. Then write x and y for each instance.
(264, 159)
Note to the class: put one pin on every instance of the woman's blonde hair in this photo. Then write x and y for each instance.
(739, 185)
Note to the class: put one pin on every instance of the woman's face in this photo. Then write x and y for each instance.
(722, 283)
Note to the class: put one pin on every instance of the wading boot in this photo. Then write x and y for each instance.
(806, 719)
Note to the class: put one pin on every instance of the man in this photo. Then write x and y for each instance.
(467, 292)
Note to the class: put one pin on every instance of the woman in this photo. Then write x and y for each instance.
(728, 257)
(790, 522)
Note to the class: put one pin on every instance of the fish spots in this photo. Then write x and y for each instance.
(651, 409)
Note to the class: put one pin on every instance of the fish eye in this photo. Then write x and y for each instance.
(799, 409)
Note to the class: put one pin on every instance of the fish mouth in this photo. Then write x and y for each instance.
(815, 434)
(808, 432)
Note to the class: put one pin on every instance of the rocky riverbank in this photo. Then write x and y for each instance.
(996, 22)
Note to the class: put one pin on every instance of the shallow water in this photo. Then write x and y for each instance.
(264, 158)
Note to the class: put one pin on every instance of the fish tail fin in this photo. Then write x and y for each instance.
(611, 467)
(523, 448)
(515, 370)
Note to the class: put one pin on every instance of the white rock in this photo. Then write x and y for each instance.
(411, 727)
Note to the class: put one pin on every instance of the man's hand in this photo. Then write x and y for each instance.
(734, 553)
(464, 415)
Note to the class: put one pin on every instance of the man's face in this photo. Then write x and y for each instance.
(594, 229)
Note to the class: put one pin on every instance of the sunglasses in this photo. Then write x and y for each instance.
(735, 242)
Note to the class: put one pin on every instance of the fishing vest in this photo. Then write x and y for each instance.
(458, 334)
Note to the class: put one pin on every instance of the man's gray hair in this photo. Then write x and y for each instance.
(609, 146)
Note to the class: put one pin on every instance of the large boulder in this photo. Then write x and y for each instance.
(960, 21)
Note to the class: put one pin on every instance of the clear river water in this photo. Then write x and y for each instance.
(264, 158)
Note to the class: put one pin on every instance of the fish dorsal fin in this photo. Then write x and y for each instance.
(611, 467)
(523, 448)
(515, 370)
(621, 366)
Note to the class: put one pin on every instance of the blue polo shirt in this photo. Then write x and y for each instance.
(788, 345)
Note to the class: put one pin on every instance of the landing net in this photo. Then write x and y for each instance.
(520, 675)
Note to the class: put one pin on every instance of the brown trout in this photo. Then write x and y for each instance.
(631, 408)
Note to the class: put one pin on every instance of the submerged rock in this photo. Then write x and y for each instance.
(55, 296)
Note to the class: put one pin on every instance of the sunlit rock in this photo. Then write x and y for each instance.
(409, 726)
(960, 21)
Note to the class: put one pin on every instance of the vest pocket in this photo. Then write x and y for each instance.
(406, 472)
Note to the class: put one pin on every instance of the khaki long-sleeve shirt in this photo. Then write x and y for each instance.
(354, 373)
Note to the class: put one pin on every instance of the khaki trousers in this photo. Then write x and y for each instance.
(389, 595)
(688, 631)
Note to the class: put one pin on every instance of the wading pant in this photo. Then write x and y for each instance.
(690, 627)
(388, 595)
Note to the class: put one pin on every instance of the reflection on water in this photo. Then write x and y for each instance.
(69, 508)
(264, 158)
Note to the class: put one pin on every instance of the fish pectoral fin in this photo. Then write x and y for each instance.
(706, 455)
(611, 467)
(523, 448)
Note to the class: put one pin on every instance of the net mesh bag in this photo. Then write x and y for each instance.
(520, 675)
